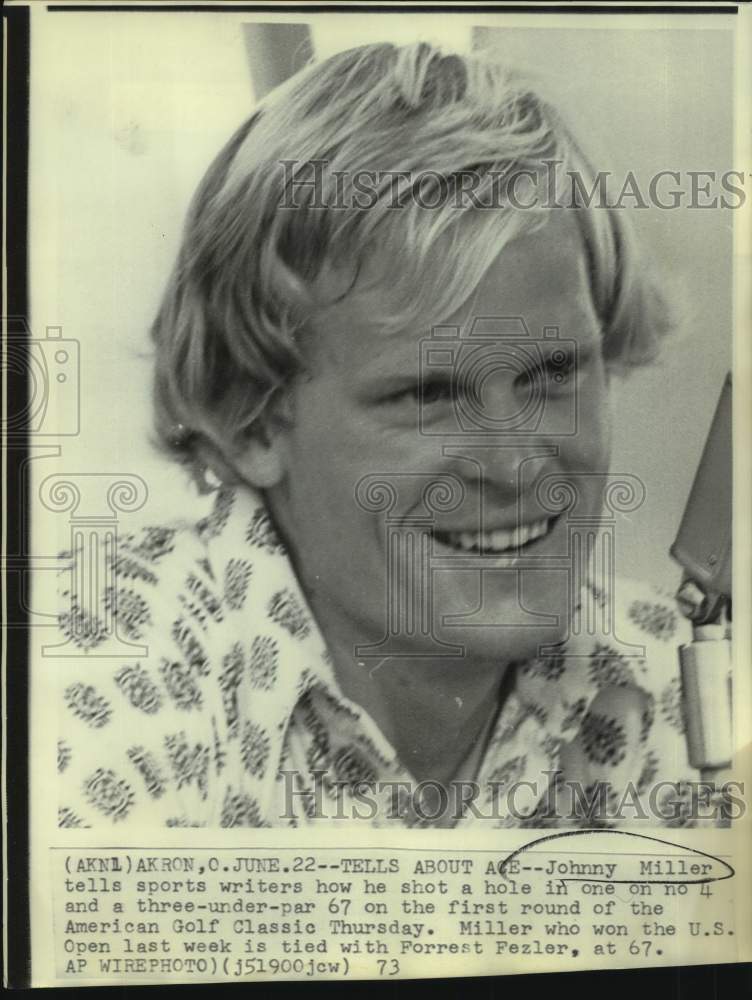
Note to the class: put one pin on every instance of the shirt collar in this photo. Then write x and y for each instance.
(240, 536)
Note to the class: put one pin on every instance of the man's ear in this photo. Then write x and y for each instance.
(261, 462)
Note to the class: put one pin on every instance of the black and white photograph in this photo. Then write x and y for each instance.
(378, 456)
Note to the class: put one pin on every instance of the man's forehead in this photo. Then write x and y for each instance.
(540, 277)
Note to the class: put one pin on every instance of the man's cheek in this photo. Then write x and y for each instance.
(590, 447)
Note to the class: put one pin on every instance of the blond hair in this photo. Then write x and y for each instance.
(280, 204)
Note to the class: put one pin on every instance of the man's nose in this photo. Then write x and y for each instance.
(498, 395)
(514, 465)
(506, 468)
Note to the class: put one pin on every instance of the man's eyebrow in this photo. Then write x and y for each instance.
(409, 368)
(389, 383)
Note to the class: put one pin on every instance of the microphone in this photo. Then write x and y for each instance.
(703, 549)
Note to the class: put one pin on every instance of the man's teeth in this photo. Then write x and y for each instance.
(498, 541)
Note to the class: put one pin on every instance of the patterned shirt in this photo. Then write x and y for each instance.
(228, 712)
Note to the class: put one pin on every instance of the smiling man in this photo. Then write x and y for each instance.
(400, 608)
(355, 414)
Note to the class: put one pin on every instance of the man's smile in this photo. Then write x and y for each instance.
(497, 539)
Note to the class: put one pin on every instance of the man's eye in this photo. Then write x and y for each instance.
(426, 393)
(436, 392)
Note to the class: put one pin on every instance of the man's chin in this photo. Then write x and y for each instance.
(497, 622)
(506, 643)
(478, 643)
(512, 622)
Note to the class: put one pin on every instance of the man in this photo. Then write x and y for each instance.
(390, 335)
